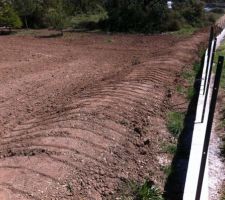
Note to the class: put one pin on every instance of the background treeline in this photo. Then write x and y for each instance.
(145, 16)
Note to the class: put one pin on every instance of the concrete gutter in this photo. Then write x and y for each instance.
(199, 134)
(197, 145)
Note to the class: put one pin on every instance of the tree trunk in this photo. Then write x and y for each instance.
(26, 24)
(61, 32)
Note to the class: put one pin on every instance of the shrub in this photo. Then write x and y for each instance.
(191, 11)
(218, 10)
(190, 92)
(136, 15)
(56, 18)
(167, 170)
(211, 18)
(137, 191)
(8, 17)
(170, 148)
(175, 21)
(175, 123)
(89, 21)
(25, 9)
(149, 192)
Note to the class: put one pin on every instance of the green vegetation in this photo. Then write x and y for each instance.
(154, 16)
(146, 16)
(145, 191)
(180, 89)
(148, 192)
(190, 92)
(8, 17)
(185, 31)
(189, 76)
(167, 170)
(169, 148)
(24, 8)
(175, 123)
(87, 20)
(221, 52)
(136, 15)
(56, 18)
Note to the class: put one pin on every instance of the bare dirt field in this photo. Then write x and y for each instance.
(83, 114)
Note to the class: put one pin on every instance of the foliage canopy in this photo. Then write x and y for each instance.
(8, 16)
(146, 16)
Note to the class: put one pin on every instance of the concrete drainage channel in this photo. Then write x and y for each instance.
(196, 183)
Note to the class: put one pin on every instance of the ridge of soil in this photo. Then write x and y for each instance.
(81, 115)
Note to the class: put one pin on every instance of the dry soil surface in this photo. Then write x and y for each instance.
(82, 114)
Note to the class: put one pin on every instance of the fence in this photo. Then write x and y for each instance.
(196, 185)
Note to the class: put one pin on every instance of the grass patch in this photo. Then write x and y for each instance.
(223, 81)
(170, 148)
(175, 123)
(135, 191)
(79, 21)
(223, 127)
(197, 67)
(185, 31)
(221, 52)
(26, 32)
(189, 76)
(190, 92)
(149, 192)
(180, 89)
(167, 170)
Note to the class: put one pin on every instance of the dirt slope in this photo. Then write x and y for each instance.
(79, 115)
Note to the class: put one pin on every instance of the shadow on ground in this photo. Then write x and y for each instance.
(174, 187)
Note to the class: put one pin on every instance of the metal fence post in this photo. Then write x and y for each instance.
(208, 82)
(209, 126)
(209, 53)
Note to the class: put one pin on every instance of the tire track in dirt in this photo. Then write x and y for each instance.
(77, 133)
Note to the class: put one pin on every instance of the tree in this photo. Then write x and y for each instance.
(83, 6)
(25, 8)
(191, 11)
(8, 16)
(56, 17)
(136, 15)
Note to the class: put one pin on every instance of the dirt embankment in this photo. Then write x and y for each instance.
(80, 115)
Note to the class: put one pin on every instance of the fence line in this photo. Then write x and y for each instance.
(196, 185)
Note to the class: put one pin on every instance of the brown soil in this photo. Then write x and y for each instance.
(82, 114)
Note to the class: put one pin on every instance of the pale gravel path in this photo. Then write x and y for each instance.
(216, 166)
